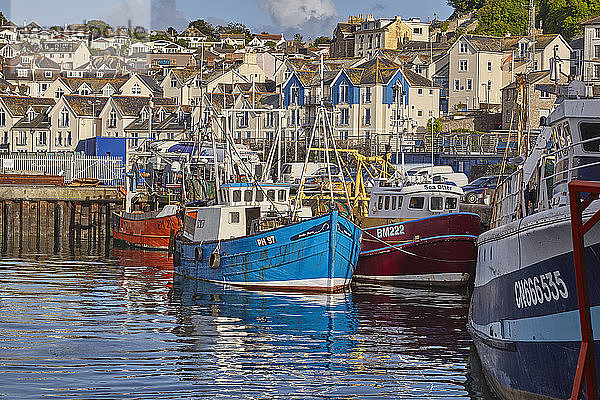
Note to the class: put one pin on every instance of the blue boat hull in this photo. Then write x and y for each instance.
(319, 254)
(524, 318)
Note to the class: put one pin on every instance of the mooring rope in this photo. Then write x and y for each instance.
(409, 252)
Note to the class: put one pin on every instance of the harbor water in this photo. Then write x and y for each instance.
(118, 325)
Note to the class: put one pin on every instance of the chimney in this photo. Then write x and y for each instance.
(24, 23)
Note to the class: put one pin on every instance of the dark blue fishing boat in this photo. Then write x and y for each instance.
(524, 316)
(315, 255)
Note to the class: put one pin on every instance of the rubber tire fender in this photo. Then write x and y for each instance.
(215, 260)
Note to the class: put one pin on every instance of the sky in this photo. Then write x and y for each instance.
(311, 18)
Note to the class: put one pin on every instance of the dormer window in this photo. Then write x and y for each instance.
(112, 119)
(59, 93)
(30, 115)
(136, 89)
(161, 115)
(343, 92)
(84, 91)
(64, 122)
(144, 114)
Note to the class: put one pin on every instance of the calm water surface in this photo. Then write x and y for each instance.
(121, 326)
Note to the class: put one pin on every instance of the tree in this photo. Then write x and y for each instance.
(322, 40)
(497, 17)
(3, 19)
(298, 38)
(464, 6)
(206, 28)
(565, 16)
(98, 28)
(437, 125)
(235, 28)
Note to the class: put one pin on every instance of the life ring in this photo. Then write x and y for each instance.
(215, 260)
(199, 253)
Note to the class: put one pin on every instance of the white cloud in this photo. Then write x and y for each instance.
(289, 14)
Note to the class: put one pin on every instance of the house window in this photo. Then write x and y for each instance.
(489, 66)
(64, 122)
(367, 116)
(2, 118)
(59, 139)
(456, 84)
(597, 51)
(112, 119)
(269, 119)
(68, 139)
(544, 95)
(343, 92)
(463, 48)
(598, 32)
(469, 84)
(345, 116)
(42, 139)
(294, 94)
(22, 139)
(136, 89)
(30, 115)
(108, 91)
(431, 92)
(22, 73)
(174, 83)
(48, 74)
(463, 65)
(419, 113)
(418, 31)
(59, 93)
(368, 94)
(420, 92)
(84, 91)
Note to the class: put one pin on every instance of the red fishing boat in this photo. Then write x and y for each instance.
(415, 235)
(151, 230)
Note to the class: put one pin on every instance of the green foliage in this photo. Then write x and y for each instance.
(322, 40)
(235, 28)
(98, 28)
(270, 43)
(3, 19)
(298, 38)
(437, 125)
(497, 17)
(565, 16)
(444, 26)
(183, 43)
(465, 6)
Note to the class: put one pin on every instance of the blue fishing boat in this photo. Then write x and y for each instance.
(524, 316)
(314, 255)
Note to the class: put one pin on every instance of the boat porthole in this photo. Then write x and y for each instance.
(215, 260)
(199, 253)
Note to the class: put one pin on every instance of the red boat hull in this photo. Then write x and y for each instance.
(148, 233)
(434, 251)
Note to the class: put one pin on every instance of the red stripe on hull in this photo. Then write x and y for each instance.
(446, 244)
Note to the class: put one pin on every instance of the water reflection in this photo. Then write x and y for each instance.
(122, 326)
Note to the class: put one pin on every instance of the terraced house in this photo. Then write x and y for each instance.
(85, 87)
(12, 110)
(368, 101)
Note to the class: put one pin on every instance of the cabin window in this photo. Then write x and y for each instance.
(247, 195)
(380, 203)
(399, 202)
(450, 203)
(282, 195)
(260, 196)
(387, 202)
(416, 203)
(393, 202)
(200, 224)
(590, 131)
(271, 195)
(436, 203)
(237, 195)
(234, 217)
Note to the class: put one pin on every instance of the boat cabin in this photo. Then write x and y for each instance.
(413, 201)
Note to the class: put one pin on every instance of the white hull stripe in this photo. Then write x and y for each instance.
(307, 283)
(560, 327)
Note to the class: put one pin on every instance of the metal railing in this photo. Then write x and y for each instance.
(108, 170)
